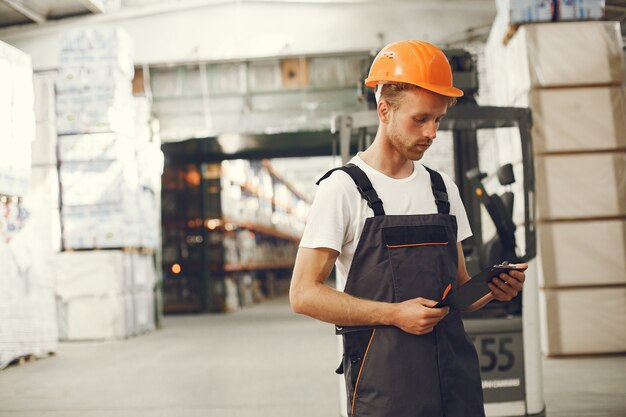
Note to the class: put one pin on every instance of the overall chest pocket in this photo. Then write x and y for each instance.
(422, 260)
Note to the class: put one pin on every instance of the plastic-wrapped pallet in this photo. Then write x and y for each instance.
(27, 307)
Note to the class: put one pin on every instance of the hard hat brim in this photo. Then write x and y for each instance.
(442, 90)
(439, 89)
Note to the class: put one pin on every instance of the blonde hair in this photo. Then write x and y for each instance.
(392, 93)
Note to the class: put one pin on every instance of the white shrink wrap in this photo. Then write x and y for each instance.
(44, 189)
(144, 273)
(92, 274)
(104, 226)
(92, 77)
(44, 96)
(44, 147)
(144, 311)
(580, 186)
(583, 321)
(584, 253)
(92, 318)
(564, 54)
(97, 182)
(95, 112)
(578, 119)
(97, 46)
(28, 320)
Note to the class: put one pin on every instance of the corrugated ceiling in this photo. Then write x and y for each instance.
(18, 12)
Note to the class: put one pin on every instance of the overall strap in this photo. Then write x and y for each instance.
(364, 186)
(439, 191)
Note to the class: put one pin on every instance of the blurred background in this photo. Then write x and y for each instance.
(158, 159)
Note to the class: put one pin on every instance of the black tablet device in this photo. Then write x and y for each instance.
(476, 287)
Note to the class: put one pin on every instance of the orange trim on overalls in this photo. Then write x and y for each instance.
(408, 245)
(358, 378)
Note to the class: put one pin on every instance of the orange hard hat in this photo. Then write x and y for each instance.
(413, 62)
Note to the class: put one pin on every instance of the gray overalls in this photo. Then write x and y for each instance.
(390, 373)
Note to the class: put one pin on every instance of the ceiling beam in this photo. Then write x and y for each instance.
(25, 10)
(94, 6)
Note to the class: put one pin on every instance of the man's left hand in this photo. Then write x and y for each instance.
(505, 287)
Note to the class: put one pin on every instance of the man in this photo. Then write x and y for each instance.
(393, 229)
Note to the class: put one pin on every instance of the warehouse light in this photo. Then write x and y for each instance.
(213, 224)
(176, 269)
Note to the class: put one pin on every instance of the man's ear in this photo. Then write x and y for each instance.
(383, 111)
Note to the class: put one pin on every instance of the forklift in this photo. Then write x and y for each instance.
(506, 335)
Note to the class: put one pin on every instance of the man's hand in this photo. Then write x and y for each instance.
(417, 316)
(507, 286)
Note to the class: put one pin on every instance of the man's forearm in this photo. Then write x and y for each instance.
(327, 304)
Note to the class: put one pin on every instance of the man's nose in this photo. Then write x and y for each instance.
(430, 130)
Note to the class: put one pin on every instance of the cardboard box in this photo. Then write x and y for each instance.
(526, 11)
(92, 274)
(564, 54)
(95, 112)
(580, 186)
(572, 256)
(567, 10)
(91, 77)
(92, 318)
(583, 321)
(577, 119)
(97, 182)
(589, 9)
(96, 147)
(100, 227)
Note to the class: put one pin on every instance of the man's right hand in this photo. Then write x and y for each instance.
(417, 316)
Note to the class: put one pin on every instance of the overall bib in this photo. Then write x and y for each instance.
(388, 372)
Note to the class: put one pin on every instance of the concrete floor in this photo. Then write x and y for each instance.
(261, 361)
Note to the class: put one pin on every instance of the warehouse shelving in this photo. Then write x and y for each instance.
(225, 230)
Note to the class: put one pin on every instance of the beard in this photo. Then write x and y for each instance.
(403, 143)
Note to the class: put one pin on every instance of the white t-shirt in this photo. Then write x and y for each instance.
(338, 212)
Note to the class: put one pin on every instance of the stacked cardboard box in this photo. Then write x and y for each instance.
(571, 76)
(95, 118)
(110, 165)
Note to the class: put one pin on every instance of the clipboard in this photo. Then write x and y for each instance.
(475, 288)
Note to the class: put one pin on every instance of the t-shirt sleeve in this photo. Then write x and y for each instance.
(329, 218)
(457, 209)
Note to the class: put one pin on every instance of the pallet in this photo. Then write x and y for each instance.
(22, 360)
(140, 250)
